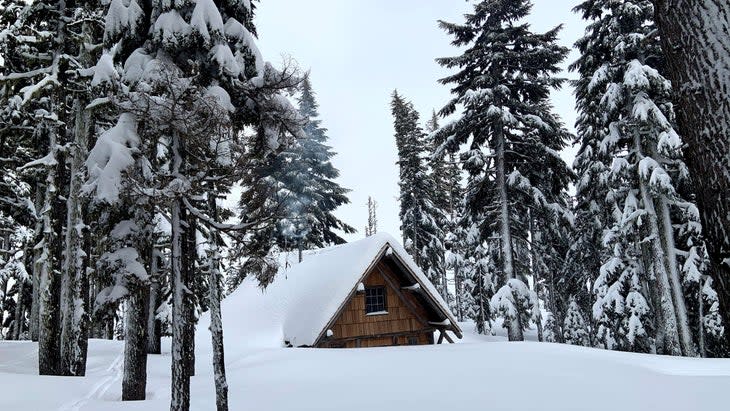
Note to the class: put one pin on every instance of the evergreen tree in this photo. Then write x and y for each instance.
(49, 50)
(188, 82)
(306, 187)
(632, 155)
(502, 85)
(420, 216)
(575, 330)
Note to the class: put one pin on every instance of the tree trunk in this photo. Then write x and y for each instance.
(535, 239)
(656, 260)
(190, 267)
(134, 382)
(49, 348)
(216, 322)
(180, 400)
(696, 40)
(153, 324)
(74, 285)
(36, 265)
(680, 305)
(18, 322)
(180, 390)
(514, 328)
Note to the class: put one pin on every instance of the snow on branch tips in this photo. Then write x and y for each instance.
(112, 154)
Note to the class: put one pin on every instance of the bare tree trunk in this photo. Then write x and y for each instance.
(191, 258)
(696, 40)
(36, 265)
(672, 268)
(656, 261)
(514, 328)
(535, 239)
(134, 382)
(180, 398)
(74, 332)
(216, 322)
(49, 347)
(18, 322)
(153, 324)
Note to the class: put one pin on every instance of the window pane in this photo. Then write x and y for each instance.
(374, 299)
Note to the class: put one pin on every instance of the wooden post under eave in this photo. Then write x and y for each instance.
(441, 336)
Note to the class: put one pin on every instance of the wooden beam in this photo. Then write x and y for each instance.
(403, 298)
(446, 334)
(384, 335)
(441, 337)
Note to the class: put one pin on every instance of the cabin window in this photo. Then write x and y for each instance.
(375, 300)
(412, 340)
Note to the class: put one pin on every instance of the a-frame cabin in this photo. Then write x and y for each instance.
(390, 306)
(368, 293)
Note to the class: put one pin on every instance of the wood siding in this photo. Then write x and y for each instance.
(406, 317)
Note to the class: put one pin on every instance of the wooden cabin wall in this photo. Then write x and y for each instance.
(399, 323)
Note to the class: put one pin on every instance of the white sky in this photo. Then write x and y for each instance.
(359, 51)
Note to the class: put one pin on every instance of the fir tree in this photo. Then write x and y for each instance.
(502, 84)
(420, 217)
(632, 155)
(306, 187)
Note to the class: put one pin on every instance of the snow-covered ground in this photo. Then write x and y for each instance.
(477, 373)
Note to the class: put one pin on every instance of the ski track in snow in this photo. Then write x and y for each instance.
(114, 374)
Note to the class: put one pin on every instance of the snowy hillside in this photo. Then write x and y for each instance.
(479, 372)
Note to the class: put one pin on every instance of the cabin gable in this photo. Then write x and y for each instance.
(405, 320)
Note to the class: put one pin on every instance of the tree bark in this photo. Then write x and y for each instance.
(180, 390)
(514, 328)
(180, 400)
(74, 285)
(49, 347)
(695, 37)
(18, 321)
(134, 381)
(190, 267)
(216, 321)
(153, 324)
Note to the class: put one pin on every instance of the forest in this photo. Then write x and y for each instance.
(151, 160)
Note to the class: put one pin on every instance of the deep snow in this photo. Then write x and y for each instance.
(477, 373)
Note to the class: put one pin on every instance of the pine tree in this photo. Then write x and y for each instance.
(503, 82)
(306, 187)
(633, 155)
(575, 330)
(419, 215)
(49, 52)
(188, 83)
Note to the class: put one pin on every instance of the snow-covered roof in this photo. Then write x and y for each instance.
(305, 296)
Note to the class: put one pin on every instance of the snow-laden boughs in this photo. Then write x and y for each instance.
(632, 175)
(575, 329)
(191, 94)
(500, 91)
(420, 216)
(301, 183)
(49, 51)
(112, 156)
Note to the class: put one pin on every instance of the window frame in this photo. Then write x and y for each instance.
(369, 304)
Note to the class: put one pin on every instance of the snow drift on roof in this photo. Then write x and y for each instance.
(305, 296)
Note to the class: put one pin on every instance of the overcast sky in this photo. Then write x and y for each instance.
(358, 52)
